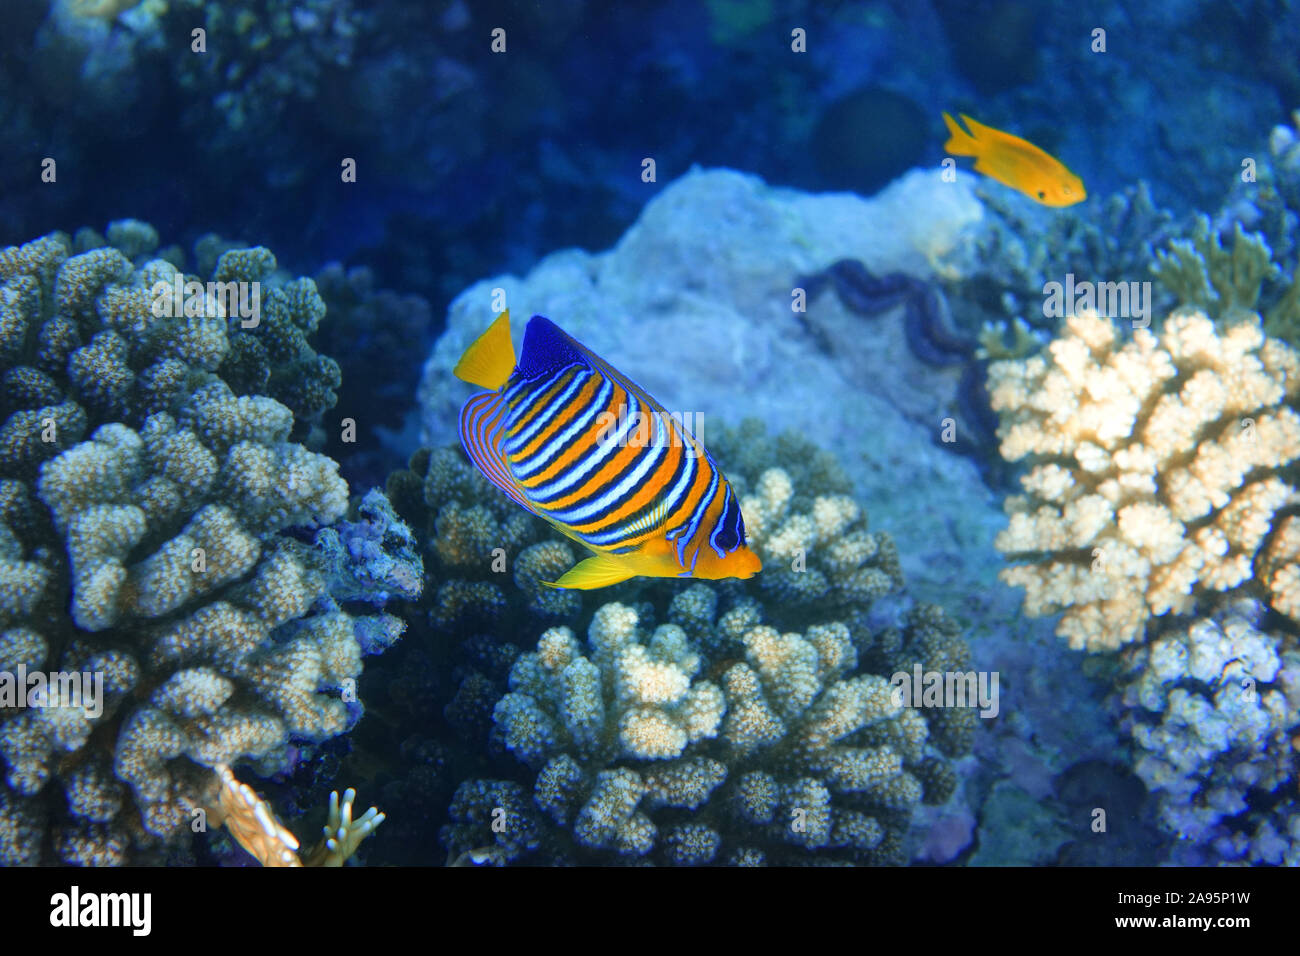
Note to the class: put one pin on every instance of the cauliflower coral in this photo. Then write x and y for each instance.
(1156, 470)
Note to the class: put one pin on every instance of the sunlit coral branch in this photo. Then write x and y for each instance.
(254, 826)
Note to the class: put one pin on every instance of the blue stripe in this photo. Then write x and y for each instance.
(524, 468)
(592, 506)
(713, 538)
(694, 523)
(559, 485)
(543, 418)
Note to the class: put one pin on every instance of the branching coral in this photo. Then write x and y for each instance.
(1223, 283)
(266, 55)
(820, 554)
(628, 699)
(151, 557)
(1155, 469)
(755, 724)
(1006, 268)
(92, 338)
(817, 552)
(489, 558)
(1211, 710)
(793, 751)
(254, 826)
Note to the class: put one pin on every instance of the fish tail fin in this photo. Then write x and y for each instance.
(490, 359)
(960, 142)
(598, 571)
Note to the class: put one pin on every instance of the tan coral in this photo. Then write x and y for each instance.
(1154, 468)
(255, 827)
(1280, 568)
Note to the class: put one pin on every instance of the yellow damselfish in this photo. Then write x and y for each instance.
(1015, 162)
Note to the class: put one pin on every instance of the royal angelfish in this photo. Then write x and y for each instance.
(578, 443)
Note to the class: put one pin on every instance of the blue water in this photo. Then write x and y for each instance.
(398, 153)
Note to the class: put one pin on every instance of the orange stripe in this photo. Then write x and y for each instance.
(561, 419)
(581, 448)
(644, 496)
(623, 460)
(537, 402)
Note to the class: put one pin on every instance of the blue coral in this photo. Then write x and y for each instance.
(1210, 709)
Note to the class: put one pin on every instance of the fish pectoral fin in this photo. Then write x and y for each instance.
(598, 571)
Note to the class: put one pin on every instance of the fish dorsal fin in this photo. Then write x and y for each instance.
(482, 425)
(977, 129)
(547, 347)
(990, 136)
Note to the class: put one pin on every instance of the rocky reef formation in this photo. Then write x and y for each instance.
(749, 340)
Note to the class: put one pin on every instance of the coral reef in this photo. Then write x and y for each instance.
(372, 559)
(254, 826)
(166, 559)
(488, 558)
(1155, 470)
(792, 755)
(371, 328)
(742, 347)
(1239, 283)
(1003, 272)
(1225, 284)
(755, 723)
(1211, 709)
(266, 56)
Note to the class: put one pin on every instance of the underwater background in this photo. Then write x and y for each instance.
(1021, 461)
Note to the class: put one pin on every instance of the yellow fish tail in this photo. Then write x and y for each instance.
(960, 142)
(490, 359)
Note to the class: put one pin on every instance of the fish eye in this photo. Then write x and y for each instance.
(1043, 195)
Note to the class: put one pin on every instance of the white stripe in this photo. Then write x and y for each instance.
(560, 484)
(619, 491)
(538, 461)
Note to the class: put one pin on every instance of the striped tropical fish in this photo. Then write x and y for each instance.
(573, 440)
